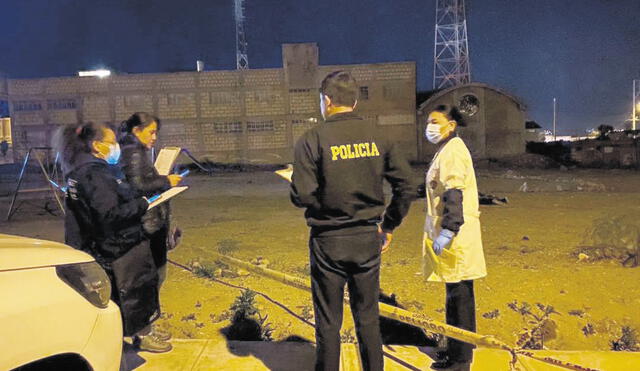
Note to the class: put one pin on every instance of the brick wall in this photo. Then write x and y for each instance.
(264, 102)
(220, 103)
(219, 79)
(96, 108)
(177, 105)
(125, 105)
(222, 136)
(221, 114)
(26, 87)
(181, 134)
(142, 82)
(265, 77)
(176, 81)
(303, 101)
(300, 125)
(63, 117)
(266, 134)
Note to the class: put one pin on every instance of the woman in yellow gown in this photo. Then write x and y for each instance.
(452, 244)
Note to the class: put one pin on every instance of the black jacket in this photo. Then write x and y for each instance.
(144, 178)
(104, 215)
(338, 176)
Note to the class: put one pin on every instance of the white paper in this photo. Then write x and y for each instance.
(165, 196)
(165, 160)
(286, 173)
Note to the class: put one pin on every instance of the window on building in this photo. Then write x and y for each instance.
(223, 97)
(257, 126)
(61, 104)
(299, 90)
(469, 104)
(310, 120)
(364, 93)
(176, 99)
(227, 127)
(134, 100)
(264, 97)
(27, 105)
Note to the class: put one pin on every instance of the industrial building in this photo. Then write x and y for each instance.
(238, 116)
(495, 120)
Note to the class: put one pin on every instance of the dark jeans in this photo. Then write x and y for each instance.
(353, 259)
(461, 313)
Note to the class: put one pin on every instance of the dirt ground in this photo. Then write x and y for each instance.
(528, 244)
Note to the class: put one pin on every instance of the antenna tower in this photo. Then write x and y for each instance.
(242, 61)
(451, 64)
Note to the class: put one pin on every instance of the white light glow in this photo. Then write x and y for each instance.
(95, 73)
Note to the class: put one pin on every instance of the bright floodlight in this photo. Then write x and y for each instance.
(96, 73)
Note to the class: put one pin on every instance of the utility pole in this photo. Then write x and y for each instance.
(451, 64)
(554, 119)
(636, 102)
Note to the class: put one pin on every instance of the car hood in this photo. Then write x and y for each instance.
(23, 253)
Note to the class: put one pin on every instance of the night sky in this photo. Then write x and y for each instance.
(583, 52)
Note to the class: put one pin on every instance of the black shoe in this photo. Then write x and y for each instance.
(442, 364)
(449, 365)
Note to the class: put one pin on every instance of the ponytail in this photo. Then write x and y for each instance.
(71, 140)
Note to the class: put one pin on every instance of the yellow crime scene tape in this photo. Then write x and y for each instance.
(417, 320)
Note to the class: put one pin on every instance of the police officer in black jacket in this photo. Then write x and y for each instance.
(338, 177)
(104, 219)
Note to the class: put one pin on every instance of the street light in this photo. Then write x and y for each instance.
(636, 103)
(95, 73)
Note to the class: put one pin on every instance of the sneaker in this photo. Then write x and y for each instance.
(150, 343)
(160, 334)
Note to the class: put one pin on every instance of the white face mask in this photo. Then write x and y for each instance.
(323, 108)
(114, 154)
(433, 133)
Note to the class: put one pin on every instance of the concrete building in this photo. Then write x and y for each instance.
(534, 132)
(5, 123)
(226, 116)
(617, 149)
(495, 121)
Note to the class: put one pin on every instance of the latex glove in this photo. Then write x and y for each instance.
(151, 199)
(443, 241)
(386, 238)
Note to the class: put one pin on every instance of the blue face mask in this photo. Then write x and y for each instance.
(114, 154)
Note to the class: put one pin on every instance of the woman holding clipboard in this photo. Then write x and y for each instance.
(140, 134)
(104, 219)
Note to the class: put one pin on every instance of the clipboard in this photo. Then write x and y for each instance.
(286, 173)
(166, 196)
(166, 159)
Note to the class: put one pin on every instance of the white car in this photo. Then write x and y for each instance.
(55, 309)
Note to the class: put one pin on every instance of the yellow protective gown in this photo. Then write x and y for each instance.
(452, 168)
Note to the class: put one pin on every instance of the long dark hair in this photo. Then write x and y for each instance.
(71, 140)
(138, 119)
(453, 113)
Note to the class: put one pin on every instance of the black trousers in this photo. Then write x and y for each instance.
(461, 313)
(354, 260)
(158, 243)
